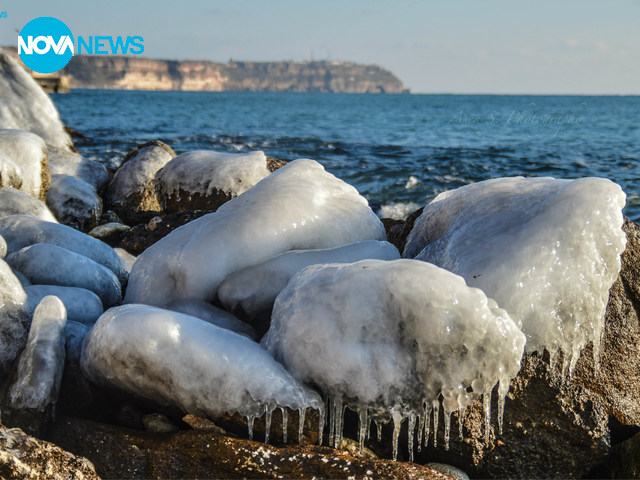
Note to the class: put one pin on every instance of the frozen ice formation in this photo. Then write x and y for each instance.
(26, 106)
(20, 231)
(300, 206)
(15, 202)
(77, 166)
(3, 247)
(387, 338)
(74, 202)
(546, 250)
(398, 210)
(176, 359)
(213, 315)
(14, 317)
(127, 259)
(47, 264)
(252, 291)
(41, 363)
(82, 305)
(205, 172)
(24, 153)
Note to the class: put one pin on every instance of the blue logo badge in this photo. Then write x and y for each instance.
(45, 45)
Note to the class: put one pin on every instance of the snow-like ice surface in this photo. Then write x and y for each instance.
(20, 231)
(41, 363)
(253, 290)
(10, 173)
(546, 250)
(213, 315)
(203, 171)
(386, 336)
(15, 202)
(75, 165)
(398, 210)
(180, 360)
(26, 151)
(25, 106)
(14, 318)
(300, 206)
(127, 259)
(82, 305)
(46, 264)
(74, 202)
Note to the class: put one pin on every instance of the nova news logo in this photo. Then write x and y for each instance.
(3, 15)
(46, 45)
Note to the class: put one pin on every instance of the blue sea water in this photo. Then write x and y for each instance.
(393, 148)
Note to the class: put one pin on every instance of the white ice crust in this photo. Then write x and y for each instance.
(546, 250)
(15, 202)
(25, 106)
(73, 201)
(300, 206)
(213, 315)
(176, 359)
(82, 305)
(77, 166)
(27, 152)
(41, 363)
(254, 289)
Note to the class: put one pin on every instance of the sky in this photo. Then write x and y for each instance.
(454, 46)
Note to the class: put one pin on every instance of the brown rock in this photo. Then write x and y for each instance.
(274, 164)
(398, 230)
(625, 461)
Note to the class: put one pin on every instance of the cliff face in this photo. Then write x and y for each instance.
(135, 73)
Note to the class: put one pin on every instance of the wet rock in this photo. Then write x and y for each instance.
(199, 423)
(74, 202)
(120, 453)
(131, 192)
(22, 456)
(449, 470)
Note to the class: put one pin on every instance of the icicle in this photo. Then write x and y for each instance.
(460, 417)
(363, 423)
(503, 389)
(321, 421)
(284, 424)
(368, 434)
(250, 426)
(332, 422)
(267, 426)
(447, 429)
(397, 422)
(420, 431)
(301, 414)
(436, 412)
(337, 406)
(410, 431)
(340, 425)
(486, 404)
(379, 430)
(427, 423)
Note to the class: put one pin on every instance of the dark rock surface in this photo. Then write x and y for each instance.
(398, 230)
(625, 461)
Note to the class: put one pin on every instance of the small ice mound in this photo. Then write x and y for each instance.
(82, 305)
(45, 264)
(398, 210)
(15, 202)
(41, 363)
(388, 338)
(300, 206)
(175, 359)
(546, 250)
(252, 291)
(20, 231)
(210, 314)
(411, 182)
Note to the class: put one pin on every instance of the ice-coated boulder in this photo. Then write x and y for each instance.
(546, 250)
(46, 264)
(300, 206)
(179, 360)
(82, 305)
(15, 202)
(204, 179)
(387, 337)
(20, 231)
(3, 247)
(127, 259)
(213, 315)
(74, 333)
(74, 202)
(24, 153)
(25, 106)
(75, 165)
(14, 317)
(252, 291)
(131, 194)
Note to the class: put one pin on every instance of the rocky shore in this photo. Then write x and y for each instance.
(208, 315)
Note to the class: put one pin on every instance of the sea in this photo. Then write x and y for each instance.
(399, 151)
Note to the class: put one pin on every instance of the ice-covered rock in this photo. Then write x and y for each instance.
(15, 202)
(24, 153)
(20, 231)
(546, 250)
(74, 202)
(127, 259)
(82, 305)
(24, 281)
(131, 193)
(14, 317)
(389, 337)
(25, 106)
(204, 179)
(176, 359)
(252, 291)
(3, 247)
(75, 165)
(74, 333)
(42, 362)
(213, 315)
(47, 264)
(300, 206)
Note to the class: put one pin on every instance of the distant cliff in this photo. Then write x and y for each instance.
(136, 73)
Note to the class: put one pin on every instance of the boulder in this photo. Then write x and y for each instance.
(74, 202)
(14, 319)
(75, 165)
(26, 106)
(23, 160)
(131, 192)
(15, 202)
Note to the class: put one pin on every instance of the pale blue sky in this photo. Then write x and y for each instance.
(459, 46)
